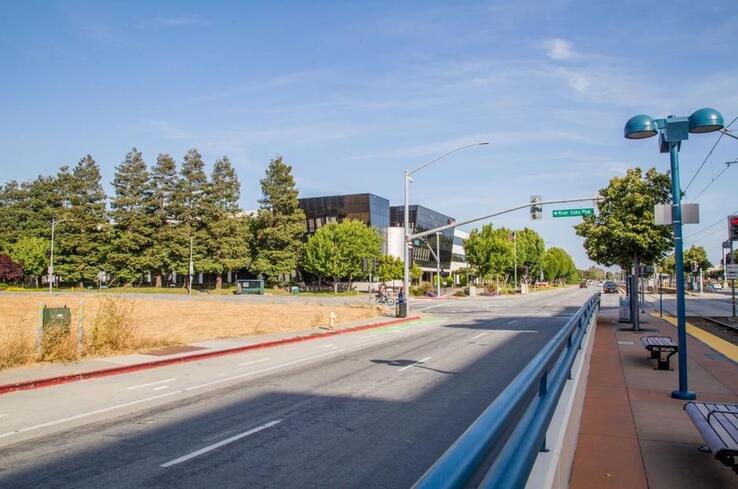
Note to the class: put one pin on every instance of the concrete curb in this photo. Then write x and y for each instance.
(65, 379)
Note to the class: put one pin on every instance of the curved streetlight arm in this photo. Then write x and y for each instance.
(427, 163)
(488, 216)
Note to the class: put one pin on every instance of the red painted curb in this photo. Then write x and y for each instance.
(65, 379)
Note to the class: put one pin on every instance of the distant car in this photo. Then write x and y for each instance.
(583, 284)
(610, 288)
(715, 287)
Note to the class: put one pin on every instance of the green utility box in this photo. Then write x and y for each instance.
(57, 317)
(295, 290)
(255, 286)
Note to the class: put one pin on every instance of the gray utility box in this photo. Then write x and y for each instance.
(56, 317)
(401, 309)
(624, 316)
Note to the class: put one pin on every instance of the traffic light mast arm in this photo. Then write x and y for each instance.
(489, 216)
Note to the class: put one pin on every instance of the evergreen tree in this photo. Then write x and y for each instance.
(81, 233)
(227, 229)
(189, 207)
(129, 255)
(163, 254)
(280, 224)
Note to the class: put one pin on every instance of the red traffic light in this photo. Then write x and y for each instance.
(733, 228)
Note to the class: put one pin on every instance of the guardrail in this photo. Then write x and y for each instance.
(545, 375)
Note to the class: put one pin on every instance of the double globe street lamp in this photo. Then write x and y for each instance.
(672, 131)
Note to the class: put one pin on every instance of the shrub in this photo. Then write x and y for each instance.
(113, 329)
(16, 349)
(58, 344)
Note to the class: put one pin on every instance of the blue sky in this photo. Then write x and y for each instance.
(352, 93)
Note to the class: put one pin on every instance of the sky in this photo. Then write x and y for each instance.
(353, 93)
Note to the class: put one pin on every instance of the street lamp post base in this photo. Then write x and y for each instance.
(684, 395)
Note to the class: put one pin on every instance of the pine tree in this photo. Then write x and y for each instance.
(129, 255)
(227, 241)
(82, 230)
(163, 253)
(280, 224)
(188, 204)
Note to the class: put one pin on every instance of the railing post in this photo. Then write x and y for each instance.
(542, 392)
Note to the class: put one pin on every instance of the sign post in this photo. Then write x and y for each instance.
(587, 211)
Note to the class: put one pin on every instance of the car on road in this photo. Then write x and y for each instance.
(583, 284)
(610, 288)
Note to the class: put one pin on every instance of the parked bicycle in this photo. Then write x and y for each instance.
(383, 299)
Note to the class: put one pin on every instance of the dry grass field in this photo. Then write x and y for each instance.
(118, 325)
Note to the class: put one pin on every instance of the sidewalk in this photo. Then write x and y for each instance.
(45, 371)
(633, 434)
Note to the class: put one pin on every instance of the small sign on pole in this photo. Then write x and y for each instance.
(731, 271)
(587, 211)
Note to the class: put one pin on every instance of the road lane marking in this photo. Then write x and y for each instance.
(415, 364)
(140, 386)
(209, 448)
(431, 307)
(479, 335)
(254, 372)
(331, 345)
(161, 387)
(513, 321)
(89, 413)
(251, 362)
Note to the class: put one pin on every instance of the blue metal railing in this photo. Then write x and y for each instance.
(546, 374)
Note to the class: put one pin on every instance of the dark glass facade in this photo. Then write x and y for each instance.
(423, 219)
(370, 209)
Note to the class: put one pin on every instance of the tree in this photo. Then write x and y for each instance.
(698, 255)
(33, 254)
(130, 256)
(624, 232)
(489, 251)
(416, 272)
(81, 231)
(558, 266)
(336, 250)
(530, 249)
(163, 253)
(228, 243)
(9, 270)
(390, 268)
(280, 224)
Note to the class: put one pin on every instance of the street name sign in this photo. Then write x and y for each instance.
(587, 211)
(731, 271)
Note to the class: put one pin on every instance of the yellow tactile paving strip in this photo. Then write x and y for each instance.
(726, 348)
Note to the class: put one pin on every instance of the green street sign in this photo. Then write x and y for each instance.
(588, 211)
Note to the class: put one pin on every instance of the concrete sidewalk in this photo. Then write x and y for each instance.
(40, 371)
(633, 433)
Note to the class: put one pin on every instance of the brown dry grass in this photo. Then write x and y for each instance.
(118, 325)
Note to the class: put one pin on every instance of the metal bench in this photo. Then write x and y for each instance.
(718, 425)
(657, 345)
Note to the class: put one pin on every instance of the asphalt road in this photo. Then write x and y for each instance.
(367, 409)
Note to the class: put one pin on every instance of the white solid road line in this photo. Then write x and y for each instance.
(161, 387)
(431, 307)
(331, 345)
(252, 362)
(513, 321)
(219, 444)
(480, 335)
(84, 415)
(150, 384)
(414, 364)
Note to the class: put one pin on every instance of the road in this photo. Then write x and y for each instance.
(707, 304)
(368, 409)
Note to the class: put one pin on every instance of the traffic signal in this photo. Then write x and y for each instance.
(536, 209)
(733, 228)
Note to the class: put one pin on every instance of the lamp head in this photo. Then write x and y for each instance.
(706, 120)
(640, 126)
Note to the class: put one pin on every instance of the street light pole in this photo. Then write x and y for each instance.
(438, 264)
(51, 256)
(672, 131)
(407, 243)
(191, 270)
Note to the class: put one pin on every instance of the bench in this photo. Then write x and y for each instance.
(657, 345)
(718, 425)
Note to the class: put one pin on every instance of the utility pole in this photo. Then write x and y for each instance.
(515, 257)
(191, 269)
(438, 264)
(51, 256)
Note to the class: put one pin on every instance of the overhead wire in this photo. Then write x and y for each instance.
(727, 167)
(708, 155)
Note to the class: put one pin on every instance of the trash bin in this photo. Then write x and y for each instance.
(624, 316)
(401, 309)
(57, 317)
(295, 290)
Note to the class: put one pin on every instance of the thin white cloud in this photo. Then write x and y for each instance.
(167, 130)
(558, 49)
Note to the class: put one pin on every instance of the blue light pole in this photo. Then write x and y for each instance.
(672, 131)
